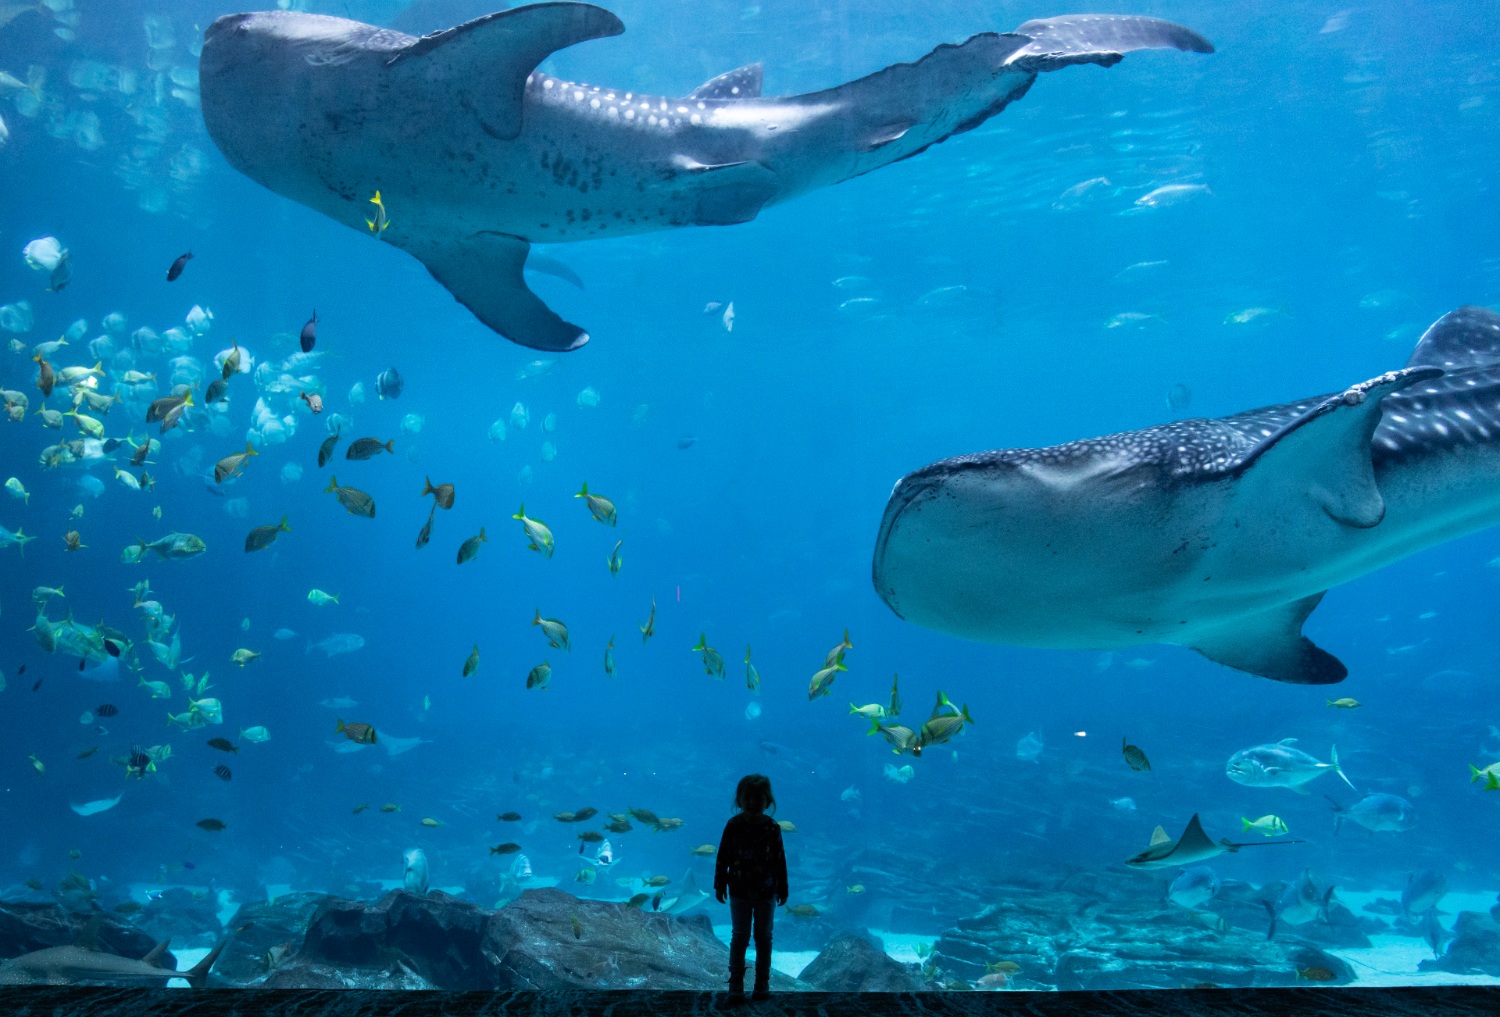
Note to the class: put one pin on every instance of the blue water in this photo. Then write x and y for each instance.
(1349, 156)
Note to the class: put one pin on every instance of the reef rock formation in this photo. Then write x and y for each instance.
(856, 963)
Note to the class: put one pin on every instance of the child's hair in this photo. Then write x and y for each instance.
(754, 794)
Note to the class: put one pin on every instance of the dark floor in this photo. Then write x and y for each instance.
(72, 1001)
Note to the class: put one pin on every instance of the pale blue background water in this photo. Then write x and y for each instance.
(1353, 194)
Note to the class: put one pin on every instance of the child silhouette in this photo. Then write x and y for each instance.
(751, 870)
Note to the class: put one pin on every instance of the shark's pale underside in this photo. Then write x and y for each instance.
(477, 154)
(1221, 535)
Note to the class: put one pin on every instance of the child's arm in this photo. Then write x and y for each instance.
(721, 866)
(779, 869)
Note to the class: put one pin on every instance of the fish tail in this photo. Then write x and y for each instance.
(520, 512)
(702, 642)
(964, 713)
(250, 450)
(585, 492)
(198, 974)
(1333, 756)
(388, 447)
(340, 728)
(371, 224)
(427, 486)
(333, 484)
(1491, 784)
(1245, 824)
(874, 727)
(482, 536)
(538, 619)
(283, 525)
(846, 640)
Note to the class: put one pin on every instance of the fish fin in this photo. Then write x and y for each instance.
(197, 975)
(1159, 836)
(157, 953)
(548, 265)
(1467, 337)
(1333, 758)
(483, 271)
(740, 83)
(1271, 644)
(488, 61)
(1098, 39)
(1193, 839)
(1323, 455)
(728, 193)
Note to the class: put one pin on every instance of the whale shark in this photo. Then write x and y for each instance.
(1220, 535)
(474, 154)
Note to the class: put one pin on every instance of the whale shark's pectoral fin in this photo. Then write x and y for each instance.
(1271, 644)
(548, 265)
(490, 58)
(483, 271)
(1098, 39)
(740, 83)
(1324, 454)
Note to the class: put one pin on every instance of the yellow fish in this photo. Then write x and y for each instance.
(380, 223)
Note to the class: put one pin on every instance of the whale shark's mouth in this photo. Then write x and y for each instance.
(910, 491)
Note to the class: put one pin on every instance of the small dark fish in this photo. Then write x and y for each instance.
(389, 384)
(81, 662)
(263, 537)
(355, 501)
(362, 734)
(590, 837)
(325, 451)
(45, 378)
(1316, 974)
(21, 670)
(310, 333)
(178, 266)
(138, 458)
(509, 817)
(86, 753)
(426, 534)
(1134, 757)
(577, 928)
(211, 825)
(508, 848)
(364, 448)
(107, 710)
(223, 745)
(582, 815)
(686, 441)
(469, 549)
(222, 772)
(442, 494)
(129, 907)
(37, 686)
(216, 390)
(656, 900)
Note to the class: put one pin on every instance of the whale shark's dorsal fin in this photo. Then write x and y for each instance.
(496, 53)
(740, 83)
(1159, 837)
(1467, 337)
(1324, 454)
(1098, 39)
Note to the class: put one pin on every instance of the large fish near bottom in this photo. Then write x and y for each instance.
(1221, 535)
(64, 965)
(477, 155)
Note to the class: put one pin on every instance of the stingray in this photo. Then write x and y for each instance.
(476, 154)
(1192, 847)
(1220, 535)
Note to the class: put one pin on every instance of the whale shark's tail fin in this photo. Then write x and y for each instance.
(1099, 39)
(900, 111)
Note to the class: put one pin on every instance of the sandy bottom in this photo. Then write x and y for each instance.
(1392, 960)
